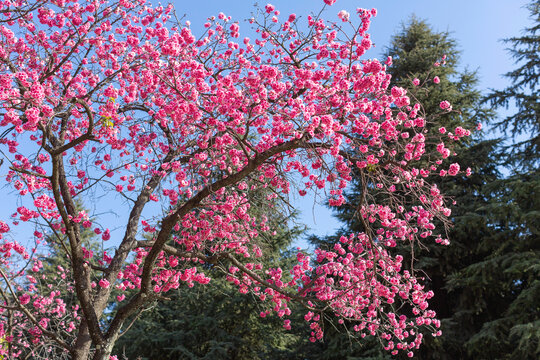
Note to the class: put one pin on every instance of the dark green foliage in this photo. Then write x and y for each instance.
(215, 321)
(206, 322)
(418, 52)
(56, 276)
(58, 258)
(339, 344)
(499, 294)
(415, 50)
(59, 253)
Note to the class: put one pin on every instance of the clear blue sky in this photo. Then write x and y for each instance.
(477, 25)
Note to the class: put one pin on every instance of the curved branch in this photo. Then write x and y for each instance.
(87, 136)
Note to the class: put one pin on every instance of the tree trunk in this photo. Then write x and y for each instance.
(105, 350)
(81, 349)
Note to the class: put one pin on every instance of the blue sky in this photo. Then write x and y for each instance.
(477, 25)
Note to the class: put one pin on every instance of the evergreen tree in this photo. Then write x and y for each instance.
(500, 292)
(206, 323)
(420, 53)
(431, 57)
(218, 322)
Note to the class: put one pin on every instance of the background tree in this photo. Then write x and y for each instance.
(54, 280)
(486, 281)
(218, 322)
(422, 56)
(500, 290)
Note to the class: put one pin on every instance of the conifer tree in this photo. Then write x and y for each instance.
(501, 290)
(423, 56)
(218, 322)
(57, 280)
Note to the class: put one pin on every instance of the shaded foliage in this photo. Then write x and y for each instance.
(205, 323)
(218, 322)
(500, 292)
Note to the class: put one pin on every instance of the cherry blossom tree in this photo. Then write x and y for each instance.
(118, 100)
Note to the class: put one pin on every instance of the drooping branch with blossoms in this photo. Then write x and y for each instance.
(116, 100)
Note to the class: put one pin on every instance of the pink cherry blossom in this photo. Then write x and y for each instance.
(454, 169)
(104, 283)
(344, 15)
(445, 105)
